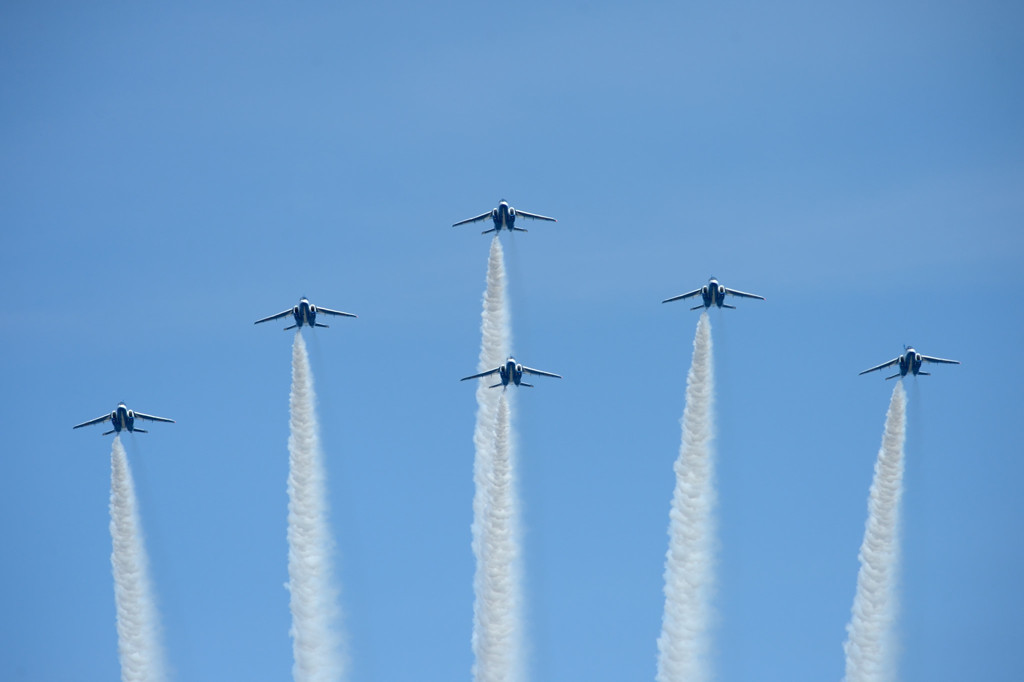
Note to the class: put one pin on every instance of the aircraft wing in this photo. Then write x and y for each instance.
(482, 374)
(528, 370)
(472, 220)
(883, 365)
(334, 312)
(275, 317)
(948, 362)
(97, 420)
(743, 294)
(151, 418)
(534, 216)
(682, 296)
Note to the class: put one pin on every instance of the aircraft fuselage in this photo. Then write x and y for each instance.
(512, 371)
(304, 313)
(713, 293)
(910, 362)
(122, 418)
(504, 217)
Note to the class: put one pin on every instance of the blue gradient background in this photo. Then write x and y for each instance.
(171, 173)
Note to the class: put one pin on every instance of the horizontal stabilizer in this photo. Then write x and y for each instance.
(518, 229)
(697, 307)
(493, 229)
(892, 377)
(523, 383)
(726, 305)
(495, 385)
(139, 431)
(319, 325)
(924, 374)
(107, 433)
(291, 327)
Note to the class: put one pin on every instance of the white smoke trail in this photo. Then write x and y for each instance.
(869, 646)
(138, 645)
(684, 642)
(496, 584)
(316, 644)
(499, 646)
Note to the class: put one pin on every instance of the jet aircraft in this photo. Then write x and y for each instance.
(123, 418)
(511, 371)
(910, 361)
(304, 313)
(713, 293)
(504, 216)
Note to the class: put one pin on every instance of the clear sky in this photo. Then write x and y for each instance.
(169, 174)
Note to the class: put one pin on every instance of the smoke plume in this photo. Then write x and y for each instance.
(496, 619)
(869, 644)
(683, 644)
(316, 643)
(138, 645)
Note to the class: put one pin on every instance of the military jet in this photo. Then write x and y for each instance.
(910, 361)
(123, 418)
(504, 216)
(304, 313)
(713, 293)
(511, 371)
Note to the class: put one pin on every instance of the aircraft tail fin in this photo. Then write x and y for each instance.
(317, 324)
(107, 433)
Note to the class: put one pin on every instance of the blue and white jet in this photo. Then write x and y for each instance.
(713, 293)
(123, 418)
(511, 371)
(504, 217)
(304, 313)
(910, 361)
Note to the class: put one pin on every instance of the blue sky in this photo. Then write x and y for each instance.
(170, 174)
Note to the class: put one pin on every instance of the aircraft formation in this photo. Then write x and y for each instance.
(503, 217)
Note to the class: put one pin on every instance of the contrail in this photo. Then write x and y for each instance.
(683, 644)
(138, 645)
(316, 644)
(496, 619)
(869, 646)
